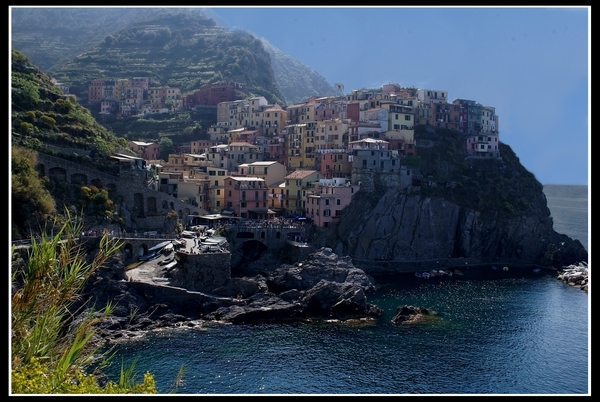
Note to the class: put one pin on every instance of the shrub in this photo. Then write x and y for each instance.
(50, 351)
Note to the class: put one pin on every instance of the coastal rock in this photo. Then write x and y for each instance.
(324, 286)
(575, 275)
(320, 265)
(402, 227)
(410, 315)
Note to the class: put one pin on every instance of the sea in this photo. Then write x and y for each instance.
(491, 333)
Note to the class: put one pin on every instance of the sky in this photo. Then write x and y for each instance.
(531, 64)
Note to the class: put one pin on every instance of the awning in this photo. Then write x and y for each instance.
(227, 212)
(262, 211)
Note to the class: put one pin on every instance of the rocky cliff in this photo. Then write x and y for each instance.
(484, 209)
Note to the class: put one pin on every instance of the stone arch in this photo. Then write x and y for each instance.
(97, 183)
(41, 169)
(152, 206)
(57, 173)
(251, 249)
(79, 179)
(165, 204)
(111, 187)
(128, 249)
(143, 249)
(138, 205)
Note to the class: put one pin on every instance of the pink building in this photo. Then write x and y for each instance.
(324, 205)
(247, 197)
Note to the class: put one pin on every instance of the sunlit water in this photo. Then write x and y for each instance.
(493, 332)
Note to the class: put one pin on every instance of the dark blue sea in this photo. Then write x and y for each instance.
(493, 333)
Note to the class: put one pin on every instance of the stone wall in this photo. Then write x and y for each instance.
(202, 272)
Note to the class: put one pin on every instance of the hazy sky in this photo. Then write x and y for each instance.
(531, 64)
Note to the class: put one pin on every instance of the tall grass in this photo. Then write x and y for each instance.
(50, 343)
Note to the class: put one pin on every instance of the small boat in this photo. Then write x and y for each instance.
(505, 269)
(425, 275)
(448, 272)
(536, 270)
(458, 272)
(494, 268)
(442, 272)
(418, 274)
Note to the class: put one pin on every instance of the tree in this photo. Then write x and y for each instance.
(170, 103)
(166, 147)
(34, 201)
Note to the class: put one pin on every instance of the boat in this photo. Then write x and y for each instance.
(458, 272)
(160, 246)
(536, 270)
(442, 272)
(494, 268)
(505, 269)
(418, 274)
(448, 272)
(425, 275)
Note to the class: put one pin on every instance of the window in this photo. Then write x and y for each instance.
(229, 195)
(338, 202)
(326, 201)
(216, 183)
(407, 117)
(218, 192)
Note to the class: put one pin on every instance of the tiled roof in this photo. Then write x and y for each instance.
(300, 174)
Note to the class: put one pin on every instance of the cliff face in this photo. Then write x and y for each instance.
(489, 209)
(408, 227)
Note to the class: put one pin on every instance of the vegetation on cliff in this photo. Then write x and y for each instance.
(179, 49)
(41, 116)
(54, 37)
(488, 184)
(44, 120)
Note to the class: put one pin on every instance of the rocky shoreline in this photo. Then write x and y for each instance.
(575, 275)
(323, 287)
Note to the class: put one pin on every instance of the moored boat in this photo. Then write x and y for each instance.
(425, 275)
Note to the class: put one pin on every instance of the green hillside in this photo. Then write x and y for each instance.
(42, 116)
(177, 49)
(56, 39)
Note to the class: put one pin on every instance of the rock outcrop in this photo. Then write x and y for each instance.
(409, 227)
(322, 287)
(575, 275)
(410, 315)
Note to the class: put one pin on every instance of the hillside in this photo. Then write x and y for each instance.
(52, 36)
(45, 120)
(54, 39)
(43, 117)
(176, 49)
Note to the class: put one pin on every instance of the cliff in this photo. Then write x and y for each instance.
(458, 207)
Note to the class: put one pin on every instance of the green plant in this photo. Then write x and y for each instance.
(50, 342)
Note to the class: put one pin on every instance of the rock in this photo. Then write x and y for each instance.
(409, 314)
(575, 275)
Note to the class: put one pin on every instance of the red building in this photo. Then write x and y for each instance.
(212, 94)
